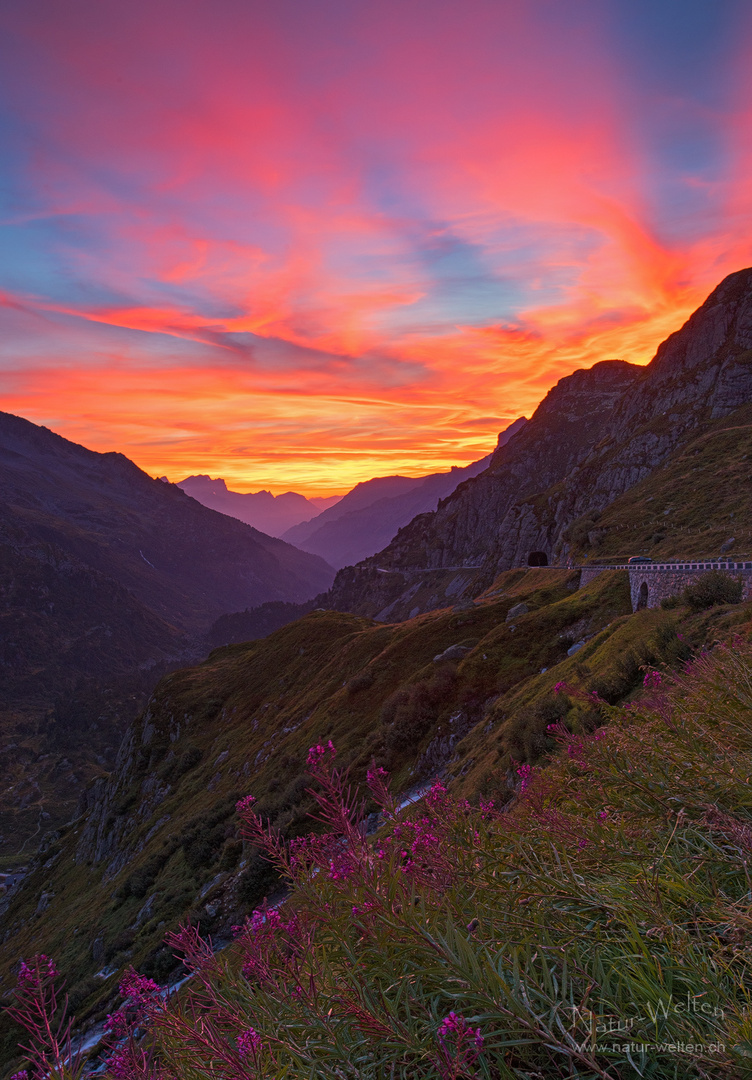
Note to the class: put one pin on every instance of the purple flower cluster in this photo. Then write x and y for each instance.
(249, 1042)
(437, 795)
(141, 991)
(22, 1074)
(525, 773)
(320, 754)
(652, 679)
(457, 1030)
(243, 806)
(341, 867)
(116, 1025)
(41, 967)
(119, 1064)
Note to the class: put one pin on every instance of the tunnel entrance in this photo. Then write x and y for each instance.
(642, 598)
(537, 558)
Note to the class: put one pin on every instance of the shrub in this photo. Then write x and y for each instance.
(713, 587)
(413, 710)
(230, 855)
(259, 879)
(364, 680)
(670, 602)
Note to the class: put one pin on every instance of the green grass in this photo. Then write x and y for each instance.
(696, 501)
(373, 689)
(598, 929)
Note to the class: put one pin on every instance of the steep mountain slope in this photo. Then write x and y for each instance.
(697, 503)
(469, 690)
(370, 515)
(185, 561)
(595, 435)
(270, 514)
(104, 574)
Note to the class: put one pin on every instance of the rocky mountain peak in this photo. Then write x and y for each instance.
(598, 432)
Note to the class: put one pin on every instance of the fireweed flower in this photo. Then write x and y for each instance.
(652, 678)
(116, 1025)
(340, 868)
(242, 806)
(41, 967)
(525, 772)
(249, 1042)
(450, 1023)
(22, 1074)
(437, 795)
(141, 991)
(455, 1029)
(317, 754)
(119, 1064)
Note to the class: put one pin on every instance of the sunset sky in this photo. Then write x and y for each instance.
(301, 243)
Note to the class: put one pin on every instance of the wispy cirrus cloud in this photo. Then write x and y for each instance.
(290, 245)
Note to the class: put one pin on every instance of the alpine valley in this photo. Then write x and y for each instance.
(438, 655)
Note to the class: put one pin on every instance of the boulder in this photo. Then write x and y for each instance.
(516, 611)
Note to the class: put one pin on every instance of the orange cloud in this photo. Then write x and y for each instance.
(299, 251)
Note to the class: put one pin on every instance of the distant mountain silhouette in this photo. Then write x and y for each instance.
(271, 514)
(370, 515)
(106, 576)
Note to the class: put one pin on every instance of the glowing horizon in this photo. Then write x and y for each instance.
(297, 247)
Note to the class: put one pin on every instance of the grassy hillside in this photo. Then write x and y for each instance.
(596, 928)
(700, 499)
(159, 842)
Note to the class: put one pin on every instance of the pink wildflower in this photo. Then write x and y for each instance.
(22, 1074)
(242, 806)
(116, 1025)
(525, 772)
(602, 814)
(41, 967)
(456, 1029)
(437, 794)
(340, 867)
(451, 1023)
(652, 678)
(317, 754)
(249, 1042)
(119, 1064)
(138, 988)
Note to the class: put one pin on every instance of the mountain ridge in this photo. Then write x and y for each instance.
(107, 578)
(595, 435)
(270, 514)
(355, 527)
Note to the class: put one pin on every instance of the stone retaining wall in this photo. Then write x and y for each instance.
(649, 583)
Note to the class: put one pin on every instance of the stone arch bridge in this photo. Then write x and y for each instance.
(650, 583)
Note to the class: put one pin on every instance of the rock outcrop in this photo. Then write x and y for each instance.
(597, 433)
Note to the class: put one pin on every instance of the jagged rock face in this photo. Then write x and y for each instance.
(596, 434)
